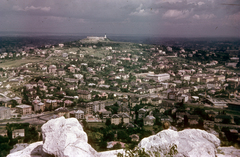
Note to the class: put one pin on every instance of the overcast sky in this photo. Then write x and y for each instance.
(168, 18)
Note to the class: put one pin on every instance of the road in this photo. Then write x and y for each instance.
(131, 94)
(31, 119)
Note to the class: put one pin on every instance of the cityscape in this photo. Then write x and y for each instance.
(121, 92)
(119, 78)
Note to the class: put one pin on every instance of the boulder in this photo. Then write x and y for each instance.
(66, 138)
(189, 142)
(33, 150)
(18, 147)
(228, 151)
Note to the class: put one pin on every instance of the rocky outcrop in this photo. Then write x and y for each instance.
(33, 150)
(66, 138)
(61, 137)
(189, 142)
(228, 151)
(18, 147)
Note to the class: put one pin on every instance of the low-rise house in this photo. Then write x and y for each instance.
(24, 109)
(134, 101)
(72, 69)
(193, 120)
(184, 90)
(62, 111)
(219, 78)
(38, 105)
(71, 87)
(29, 86)
(84, 94)
(106, 114)
(207, 79)
(61, 72)
(149, 120)
(50, 103)
(134, 137)
(213, 84)
(124, 85)
(183, 97)
(208, 123)
(142, 113)
(158, 88)
(150, 89)
(195, 79)
(79, 114)
(186, 77)
(52, 88)
(120, 118)
(156, 101)
(172, 95)
(146, 100)
(52, 69)
(68, 103)
(120, 68)
(18, 133)
(123, 109)
(112, 143)
(101, 82)
(141, 91)
(104, 86)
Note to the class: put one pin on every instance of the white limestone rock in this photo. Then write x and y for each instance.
(18, 147)
(228, 152)
(189, 142)
(33, 150)
(111, 153)
(66, 138)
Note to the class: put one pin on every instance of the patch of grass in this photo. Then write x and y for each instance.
(96, 125)
(148, 127)
(19, 62)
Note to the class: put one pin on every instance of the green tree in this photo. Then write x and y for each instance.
(117, 146)
(108, 122)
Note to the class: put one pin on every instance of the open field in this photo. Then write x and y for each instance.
(17, 63)
(97, 125)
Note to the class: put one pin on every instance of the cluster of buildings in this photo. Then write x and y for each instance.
(87, 77)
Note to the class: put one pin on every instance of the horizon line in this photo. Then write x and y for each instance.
(33, 34)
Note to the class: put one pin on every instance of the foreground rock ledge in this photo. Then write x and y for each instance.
(66, 138)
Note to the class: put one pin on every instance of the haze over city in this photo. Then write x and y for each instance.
(172, 18)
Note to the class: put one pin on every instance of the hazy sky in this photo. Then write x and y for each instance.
(174, 18)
